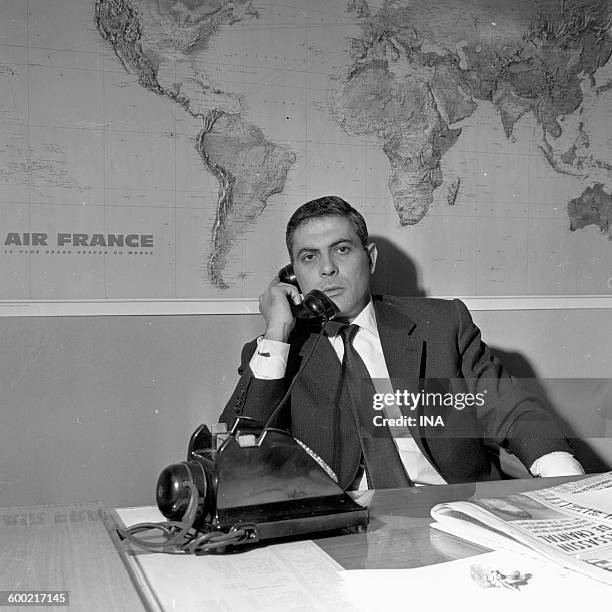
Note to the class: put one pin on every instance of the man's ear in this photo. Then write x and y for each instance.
(372, 252)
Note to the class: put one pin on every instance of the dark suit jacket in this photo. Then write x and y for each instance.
(423, 339)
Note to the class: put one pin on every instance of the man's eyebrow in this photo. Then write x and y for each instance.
(331, 246)
(306, 250)
(349, 240)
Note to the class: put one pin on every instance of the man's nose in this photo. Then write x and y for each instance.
(328, 266)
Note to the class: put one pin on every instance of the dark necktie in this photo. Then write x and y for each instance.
(384, 468)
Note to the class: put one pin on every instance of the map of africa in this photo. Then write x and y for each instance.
(156, 148)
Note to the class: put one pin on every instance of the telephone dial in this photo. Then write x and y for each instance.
(315, 305)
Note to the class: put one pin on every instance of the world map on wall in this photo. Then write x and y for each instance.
(156, 148)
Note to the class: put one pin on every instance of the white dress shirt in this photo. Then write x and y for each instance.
(269, 362)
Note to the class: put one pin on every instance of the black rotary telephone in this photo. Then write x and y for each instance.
(315, 305)
(252, 484)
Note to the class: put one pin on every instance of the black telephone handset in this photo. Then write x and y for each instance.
(315, 305)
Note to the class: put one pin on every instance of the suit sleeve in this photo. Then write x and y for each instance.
(252, 397)
(510, 416)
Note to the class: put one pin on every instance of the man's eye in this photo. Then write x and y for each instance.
(307, 257)
(343, 250)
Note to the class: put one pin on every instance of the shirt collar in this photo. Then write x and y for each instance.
(366, 320)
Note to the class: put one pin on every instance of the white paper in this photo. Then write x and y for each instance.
(289, 577)
(449, 586)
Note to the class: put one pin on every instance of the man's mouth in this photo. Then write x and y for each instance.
(332, 290)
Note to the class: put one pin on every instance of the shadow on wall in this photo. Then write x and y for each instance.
(579, 405)
(396, 273)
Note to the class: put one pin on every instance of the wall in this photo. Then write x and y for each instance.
(94, 407)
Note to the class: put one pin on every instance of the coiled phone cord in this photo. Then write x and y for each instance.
(178, 536)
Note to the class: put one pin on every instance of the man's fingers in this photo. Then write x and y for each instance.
(293, 293)
(289, 290)
(275, 281)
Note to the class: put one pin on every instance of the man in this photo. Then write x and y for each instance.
(409, 346)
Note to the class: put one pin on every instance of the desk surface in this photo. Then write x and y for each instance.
(70, 548)
(398, 535)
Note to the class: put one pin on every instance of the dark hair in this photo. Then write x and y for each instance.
(321, 207)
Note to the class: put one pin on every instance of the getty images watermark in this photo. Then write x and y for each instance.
(408, 400)
(446, 407)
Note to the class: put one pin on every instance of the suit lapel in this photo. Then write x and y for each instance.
(402, 348)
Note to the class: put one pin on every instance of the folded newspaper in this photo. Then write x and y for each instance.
(570, 524)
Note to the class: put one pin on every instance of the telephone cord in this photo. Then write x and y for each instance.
(296, 377)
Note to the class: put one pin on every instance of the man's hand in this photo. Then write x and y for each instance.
(275, 306)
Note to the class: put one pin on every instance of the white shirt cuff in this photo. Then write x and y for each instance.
(269, 361)
(558, 463)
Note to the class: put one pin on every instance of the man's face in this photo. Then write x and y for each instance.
(328, 255)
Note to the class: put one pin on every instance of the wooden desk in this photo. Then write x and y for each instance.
(71, 548)
(65, 548)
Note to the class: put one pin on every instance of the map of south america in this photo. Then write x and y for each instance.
(158, 40)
